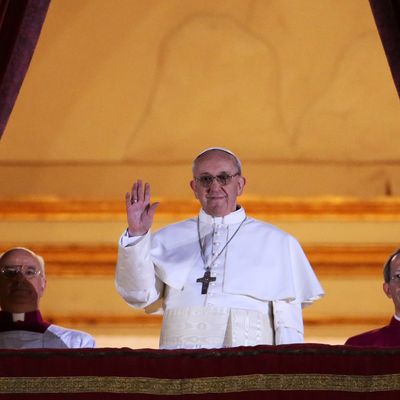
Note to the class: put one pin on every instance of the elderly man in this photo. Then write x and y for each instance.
(224, 278)
(22, 284)
(389, 335)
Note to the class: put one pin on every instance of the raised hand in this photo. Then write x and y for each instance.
(139, 211)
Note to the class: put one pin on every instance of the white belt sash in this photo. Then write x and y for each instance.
(214, 327)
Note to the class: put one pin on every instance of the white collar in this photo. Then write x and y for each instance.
(18, 317)
(234, 217)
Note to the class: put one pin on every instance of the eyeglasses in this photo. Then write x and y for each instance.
(223, 179)
(395, 278)
(11, 271)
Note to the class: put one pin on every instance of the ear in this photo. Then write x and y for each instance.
(241, 184)
(42, 288)
(193, 186)
(386, 289)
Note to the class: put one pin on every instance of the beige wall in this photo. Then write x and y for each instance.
(116, 90)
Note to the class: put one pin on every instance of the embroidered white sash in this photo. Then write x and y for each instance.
(214, 327)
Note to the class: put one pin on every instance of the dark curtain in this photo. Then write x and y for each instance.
(387, 19)
(20, 25)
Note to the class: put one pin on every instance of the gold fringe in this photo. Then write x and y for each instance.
(227, 384)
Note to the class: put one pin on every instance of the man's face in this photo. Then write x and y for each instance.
(217, 200)
(19, 294)
(392, 289)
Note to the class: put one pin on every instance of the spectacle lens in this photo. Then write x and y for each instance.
(11, 271)
(395, 277)
(223, 179)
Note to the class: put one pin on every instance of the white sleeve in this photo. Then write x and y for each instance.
(288, 322)
(135, 278)
(86, 340)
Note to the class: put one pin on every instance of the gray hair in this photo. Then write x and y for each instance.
(234, 157)
(39, 259)
(386, 267)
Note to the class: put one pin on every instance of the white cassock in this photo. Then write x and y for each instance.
(40, 334)
(262, 280)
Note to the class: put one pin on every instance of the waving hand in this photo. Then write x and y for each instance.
(139, 211)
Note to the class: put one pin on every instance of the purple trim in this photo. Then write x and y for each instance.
(33, 322)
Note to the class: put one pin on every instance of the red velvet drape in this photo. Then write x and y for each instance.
(20, 25)
(301, 372)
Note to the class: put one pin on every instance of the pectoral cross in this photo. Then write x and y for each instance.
(205, 281)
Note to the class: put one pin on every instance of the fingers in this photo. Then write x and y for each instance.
(136, 194)
(146, 196)
(127, 199)
(136, 189)
(139, 194)
(130, 197)
(139, 191)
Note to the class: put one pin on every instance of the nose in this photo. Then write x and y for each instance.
(214, 185)
(19, 276)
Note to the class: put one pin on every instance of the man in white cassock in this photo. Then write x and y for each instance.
(22, 284)
(224, 279)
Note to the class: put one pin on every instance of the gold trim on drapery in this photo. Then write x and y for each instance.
(226, 384)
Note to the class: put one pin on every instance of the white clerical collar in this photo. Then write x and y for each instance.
(18, 317)
(234, 217)
(397, 317)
